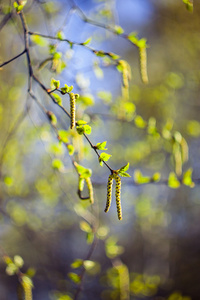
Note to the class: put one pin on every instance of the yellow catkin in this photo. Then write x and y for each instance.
(90, 189)
(143, 64)
(72, 109)
(109, 193)
(27, 290)
(118, 196)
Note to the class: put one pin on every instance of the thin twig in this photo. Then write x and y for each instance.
(10, 60)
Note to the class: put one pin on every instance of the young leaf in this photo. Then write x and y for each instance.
(57, 164)
(156, 177)
(101, 146)
(18, 260)
(139, 178)
(77, 263)
(74, 277)
(125, 168)
(173, 182)
(60, 35)
(103, 157)
(84, 172)
(87, 129)
(81, 122)
(66, 89)
(81, 129)
(70, 149)
(57, 98)
(118, 29)
(187, 178)
(38, 40)
(63, 136)
(52, 118)
(55, 84)
(84, 226)
(20, 6)
(87, 41)
(189, 5)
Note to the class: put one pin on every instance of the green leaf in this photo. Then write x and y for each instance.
(87, 129)
(84, 226)
(52, 118)
(101, 146)
(18, 260)
(84, 172)
(20, 6)
(55, 84)
(77, 264)
(187, 178)
(52, 49)
(66, 89)
(81, 122)
(173, 181)
(189, 5)
(118, 29)
(74, 277)
(63, 136)
(124, 168)
(91, 267)
(124, 174)
(40, 41)
(89, 264)
(139, 122)
(139, 178)
(122, 171)
(87, 41)
(60, 35)
(70, 149)
(113, 55)
(57, 98)
(132, 37)
(57, 164)
(90, 238)
(11, 269)
(103, 157)
(81, 129)
(156, 177)
(99, 53)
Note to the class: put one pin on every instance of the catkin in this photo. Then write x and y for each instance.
(118, 196)
(72, 109)
(143, 64)
(109, 193)
(90, 189)
(27, 291)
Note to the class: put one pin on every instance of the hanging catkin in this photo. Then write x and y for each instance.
(109, 192)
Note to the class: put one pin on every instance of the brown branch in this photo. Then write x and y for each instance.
(5, 20)
(10, 60)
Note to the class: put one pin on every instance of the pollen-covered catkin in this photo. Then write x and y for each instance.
(143, 64)
(109, 193)
(90, 189)
(118, 196)
(27, 290)
(72, 109)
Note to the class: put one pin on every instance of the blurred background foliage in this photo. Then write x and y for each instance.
(71, 248)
